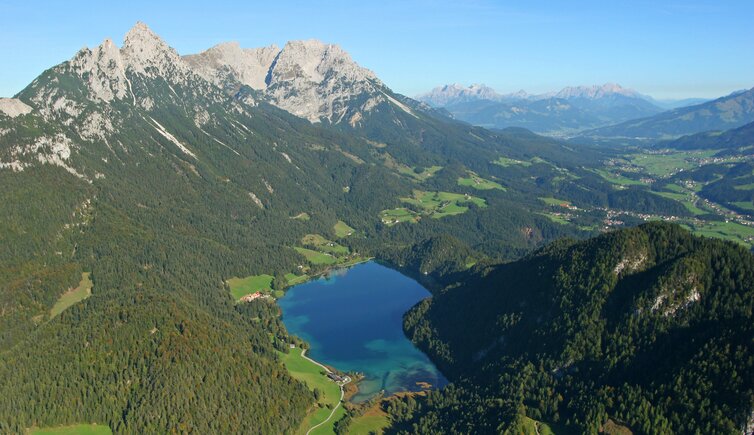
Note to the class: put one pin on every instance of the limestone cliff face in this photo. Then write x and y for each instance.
(13, 107)
(228, 63)
(309, 79)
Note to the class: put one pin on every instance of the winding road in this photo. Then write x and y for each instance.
(342, 392)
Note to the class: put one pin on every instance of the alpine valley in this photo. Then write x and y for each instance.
(155, 206)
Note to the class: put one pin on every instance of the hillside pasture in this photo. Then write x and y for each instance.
(240, 287)
(78, 294)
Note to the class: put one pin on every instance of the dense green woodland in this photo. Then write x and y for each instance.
(737, 138)
(650, 327)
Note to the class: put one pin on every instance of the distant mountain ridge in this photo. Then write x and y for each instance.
(563, 112)
(737, 138)
(728, 112)
(443, 96)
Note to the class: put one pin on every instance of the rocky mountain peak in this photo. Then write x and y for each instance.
(596, 91)
(313, 60)
(103, 70)
(146, 53)
(141, 35)
(315, 80)
(228, 61)
(308, 78)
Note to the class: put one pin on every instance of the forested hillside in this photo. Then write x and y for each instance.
(736, 140)
(649, 328)
(728, 112)
(133, 171)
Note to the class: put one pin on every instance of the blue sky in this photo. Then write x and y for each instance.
(668, 49)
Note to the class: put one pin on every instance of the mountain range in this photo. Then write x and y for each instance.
(607, 114)
(724, 113)
(569, 110)
(448, 95)
(740, 138)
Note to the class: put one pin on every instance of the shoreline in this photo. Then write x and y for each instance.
(329, 269)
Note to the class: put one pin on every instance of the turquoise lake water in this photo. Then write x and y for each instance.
(353, 321)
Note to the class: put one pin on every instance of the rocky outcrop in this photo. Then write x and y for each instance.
(147, 54)
(309, 79)
(13, 107)
(227, 63)
(103, 70)
(630, 264)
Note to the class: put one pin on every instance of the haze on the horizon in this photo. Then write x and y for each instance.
(666, 49)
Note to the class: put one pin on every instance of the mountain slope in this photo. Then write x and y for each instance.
(724, 113)
(737, 138)
(134, 169)
(634, 325)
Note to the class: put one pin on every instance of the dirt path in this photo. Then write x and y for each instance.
(342, 392)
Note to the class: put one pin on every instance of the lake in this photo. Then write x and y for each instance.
(353, 319)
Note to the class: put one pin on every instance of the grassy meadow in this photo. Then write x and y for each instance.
(81, 292)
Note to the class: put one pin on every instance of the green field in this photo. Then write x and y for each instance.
(675, 188)
(324, 245)
(342, 229)
(664, 165)
(749, 186)
(554, 201)
(450, 209)
(683, 198)
(533, 427)
(479, 183)
(746, 205)
(316, 257)
(74, 429)
(313, 376)
(240, 287)
(433, 201)
(506, 162)
(732, 231)
(302, 216)
(617, 178)
(557, 219)
(418, 176)
(397, 215)
(293, 279)
(433, 204)
(83, 291)
(367, 424)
